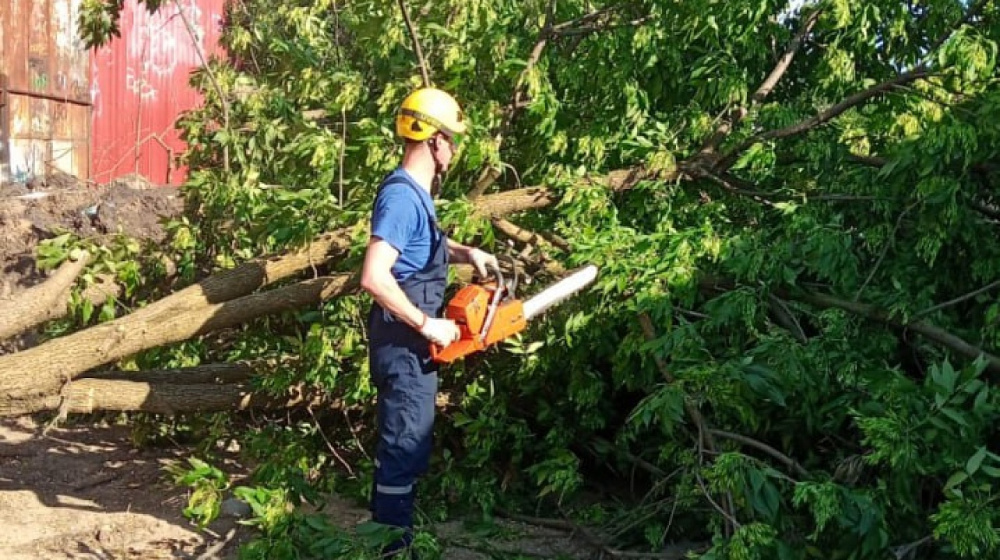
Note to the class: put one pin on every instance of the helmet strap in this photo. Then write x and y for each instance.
(438, 168)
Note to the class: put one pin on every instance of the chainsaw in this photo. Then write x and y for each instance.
(488, 312)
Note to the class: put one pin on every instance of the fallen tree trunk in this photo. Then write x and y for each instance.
(218, 302)
(88, 395)
(41, 303)
(41, 371)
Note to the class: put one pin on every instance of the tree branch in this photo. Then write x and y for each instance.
(196, 43)
(781, 457)
(40, 303)
(204, 374)
(705, 439)
(918, 72)
(957, 300)
(416, 43)
(812, 122)
(785, 317)
(515, 231)
(945, 338)
(568, 526)
(768, 85)
(885, 250)
(868, 311)
(88, 395)
(699, 421)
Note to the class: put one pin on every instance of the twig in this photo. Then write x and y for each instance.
(957, 300)
(568, 526)
(786, 318)
(987, 210)
(784, 459)
(354, 433)
(588, 29)
(329, 444)
(585, 19)
(708, 495)
(755, 195)
(416, 43)
(212, 552)
(885, 250)
(902, 551)
(211, 77)
(650, 333)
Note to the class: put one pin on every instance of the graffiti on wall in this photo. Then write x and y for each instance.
(140, 87)
(161, 43)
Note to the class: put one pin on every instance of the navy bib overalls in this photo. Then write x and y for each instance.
(406, 379)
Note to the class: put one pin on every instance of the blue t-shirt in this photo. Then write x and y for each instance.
(401, 219)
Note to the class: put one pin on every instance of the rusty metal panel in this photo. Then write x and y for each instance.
(4, 125)
(48, 75)
(140, 87)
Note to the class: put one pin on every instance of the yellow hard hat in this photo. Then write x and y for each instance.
(426, 111)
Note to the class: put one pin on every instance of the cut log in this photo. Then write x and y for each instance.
(43, 302)
(41, 371)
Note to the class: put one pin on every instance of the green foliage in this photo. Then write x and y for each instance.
(817, 295)
(207, 484)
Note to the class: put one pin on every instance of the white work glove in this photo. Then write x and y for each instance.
(440, 331)
(483, 262)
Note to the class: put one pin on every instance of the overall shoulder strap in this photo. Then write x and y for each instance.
(416, 190)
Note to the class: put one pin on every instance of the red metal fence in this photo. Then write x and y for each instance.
(139, 87)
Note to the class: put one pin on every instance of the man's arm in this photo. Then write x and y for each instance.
(377, 280)
(458, 253)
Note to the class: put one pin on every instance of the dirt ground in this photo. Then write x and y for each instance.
(28, 215)
(83, 491)
(86, 493)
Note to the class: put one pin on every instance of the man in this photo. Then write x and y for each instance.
(406, 271)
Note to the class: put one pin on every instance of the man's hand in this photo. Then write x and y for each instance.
(440, 331)
(483, 262)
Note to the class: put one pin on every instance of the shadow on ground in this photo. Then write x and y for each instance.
(87, 493)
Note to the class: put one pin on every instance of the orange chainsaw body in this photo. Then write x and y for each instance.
(478, 327)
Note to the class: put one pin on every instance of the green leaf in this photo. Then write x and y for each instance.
(975, 461)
